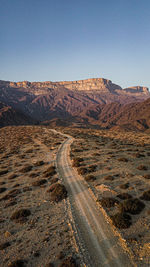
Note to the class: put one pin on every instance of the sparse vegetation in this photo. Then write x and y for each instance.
(146, 195)
(39, 182)
(20, 215)
(121, 220)
(58, 192)
(132, 206)
(108, 202)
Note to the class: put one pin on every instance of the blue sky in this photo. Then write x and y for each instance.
(55, 40)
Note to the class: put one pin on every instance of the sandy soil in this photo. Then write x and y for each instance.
(43, 238)
(115, 160)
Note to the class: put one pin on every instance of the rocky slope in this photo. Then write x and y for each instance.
(91, 101)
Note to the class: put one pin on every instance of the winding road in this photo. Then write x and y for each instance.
(100, 247)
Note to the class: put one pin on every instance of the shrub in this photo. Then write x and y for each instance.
(121, 220)
(12, 176)
(109, 178)
(92, 168)
(124, 186)
(39, 182)
(34, 174)
(2, 172)
(69, 262)
(142, 168)
(90, 178)
(39, 163)
(77, 162)
(138, 155)
(50, 171)
(108, 202)
(11, 194)
(133, 206)
(124, 196)
(17, 263)
(82, 170)
(20, 215)
(123, 159)
(146, 176)
(26, 169)
(4, 245)
(58, 192)
(2, 189)
(146, 195)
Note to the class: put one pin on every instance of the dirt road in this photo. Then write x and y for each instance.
(100, 247)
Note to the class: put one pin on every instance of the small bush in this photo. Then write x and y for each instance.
(54, 180)
(108, 202)
(2, 189)
(133, 206)
(39, 163)
(121, 220)
(146, 176)
(90, 178)
(12, 176)
(142, 168)
(69, 262)
(50, 171)
(138, 155)
(20, 215)
(39, 182)
(146, 195)
(2, 172)
(109, 178)
(82, 170)
(58, 192)
(124, 196)
(34, 174)
(123, 159)
(124, 186)
(4, 245)
(11, 194)
(92, 168)
(26, 169)
(17, 263)
(77, 162)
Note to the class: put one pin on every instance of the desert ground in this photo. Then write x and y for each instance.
(35, 227)
(34, 223)
(116, 165)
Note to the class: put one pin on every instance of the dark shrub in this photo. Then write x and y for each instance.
(26, 169)
(20, 215)
(90, 178)
(146, 195)
(77, 162)
(109, 178)
(108, 202)
(50, 171)
(133, 206)
(11, 194)
(124, 196)
(39, 182)
(92, 168)
(39, 163)
(58, 192)
(82, 170)
(138, 155)
(146, 176)
(2, 172)
(142, 168)
(124, 186)
(17, 263)
(2, 189)
(4, 245)
(12, 176)
(121, 220)
(69, 262)
(123, 159)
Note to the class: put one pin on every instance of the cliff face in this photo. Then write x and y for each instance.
(90, 101)
(96, 84)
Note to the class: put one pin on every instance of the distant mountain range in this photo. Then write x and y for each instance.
(91, 103)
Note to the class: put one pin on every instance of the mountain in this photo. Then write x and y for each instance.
(86, 102)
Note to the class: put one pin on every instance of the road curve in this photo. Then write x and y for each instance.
(101, 246)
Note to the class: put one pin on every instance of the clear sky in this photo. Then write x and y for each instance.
(53, 40)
